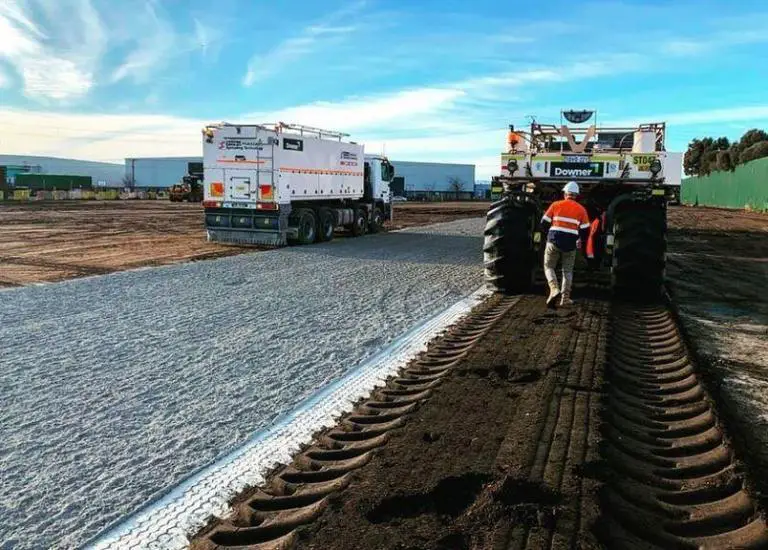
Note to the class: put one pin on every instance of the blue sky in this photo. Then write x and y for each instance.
(421, 80)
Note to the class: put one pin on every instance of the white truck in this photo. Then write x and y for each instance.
(277, 184)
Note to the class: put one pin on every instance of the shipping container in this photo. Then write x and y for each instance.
(53, 182)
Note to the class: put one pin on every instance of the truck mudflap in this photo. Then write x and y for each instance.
(246, 237)
(245, 227)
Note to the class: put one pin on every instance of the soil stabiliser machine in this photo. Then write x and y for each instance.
(620, 172)
(277, 184)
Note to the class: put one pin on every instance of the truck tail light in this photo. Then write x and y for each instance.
(266, 206)
(211, 204)
(265, 192)
(217, 189)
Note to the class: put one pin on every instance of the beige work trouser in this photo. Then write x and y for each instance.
(552, 255)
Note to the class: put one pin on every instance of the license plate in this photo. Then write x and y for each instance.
(577, 159)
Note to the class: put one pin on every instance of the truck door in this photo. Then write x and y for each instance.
(368, 177)
(381, 174)
(240, 185)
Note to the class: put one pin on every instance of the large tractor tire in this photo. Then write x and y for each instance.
(509, 257)
(639, 250)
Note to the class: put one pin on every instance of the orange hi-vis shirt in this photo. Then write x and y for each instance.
(567, 221)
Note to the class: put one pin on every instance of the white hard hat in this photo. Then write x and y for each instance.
(571, 187)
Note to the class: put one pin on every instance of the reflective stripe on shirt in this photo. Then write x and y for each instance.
(565, 230)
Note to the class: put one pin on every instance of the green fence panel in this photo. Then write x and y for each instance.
(746, 187)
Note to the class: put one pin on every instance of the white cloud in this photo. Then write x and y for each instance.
(5, 80)
(98, 136)
(153, 47)
(381, 111)
(715, 42)
(58, 47)
(704, 117)
(684, 47)
(712, 116)
(57, 55)
(264, 65)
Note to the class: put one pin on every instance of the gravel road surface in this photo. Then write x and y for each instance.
(115, 388)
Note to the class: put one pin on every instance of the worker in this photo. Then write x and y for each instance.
(567, 225)
(513, 138)
(593, 250)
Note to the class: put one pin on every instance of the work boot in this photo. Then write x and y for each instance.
(554, 294)
(565, 300)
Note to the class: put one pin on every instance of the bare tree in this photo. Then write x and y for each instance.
(455, 185)
(128, 182)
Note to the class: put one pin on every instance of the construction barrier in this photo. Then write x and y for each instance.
(746, 187)
(80, 194)
(107, 195)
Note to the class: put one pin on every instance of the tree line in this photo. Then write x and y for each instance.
(707, 155)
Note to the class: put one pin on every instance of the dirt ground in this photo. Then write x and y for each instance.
(408, 214)
(492, 458)
(55, 241)
(718, 278)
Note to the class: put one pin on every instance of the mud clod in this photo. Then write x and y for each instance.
(450, 498)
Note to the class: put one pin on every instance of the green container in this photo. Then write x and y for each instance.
(51, 182)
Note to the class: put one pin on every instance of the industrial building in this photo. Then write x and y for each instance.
(433, 180)
(160, 172)
(417, 180)
(102, 174)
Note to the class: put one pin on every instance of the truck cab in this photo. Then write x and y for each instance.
(378, 175)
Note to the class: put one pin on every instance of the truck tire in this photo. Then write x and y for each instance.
(508, 254)
(307, 226)
(377, 221)
(639, 250)
(360, 222)
(326, 222)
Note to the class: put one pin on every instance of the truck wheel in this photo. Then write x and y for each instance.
(326, 223)
(508, 254)
(639, 250)
(360, 223)
(377, 223)
(307, 227)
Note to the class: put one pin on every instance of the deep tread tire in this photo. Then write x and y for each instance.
(377, 221)
(508, 255)
(325, 224)
(639, 251)
(360, 222)
(307, 227)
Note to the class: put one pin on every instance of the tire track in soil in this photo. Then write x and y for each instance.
(673, 480)
(566, 441)
(503, 438)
